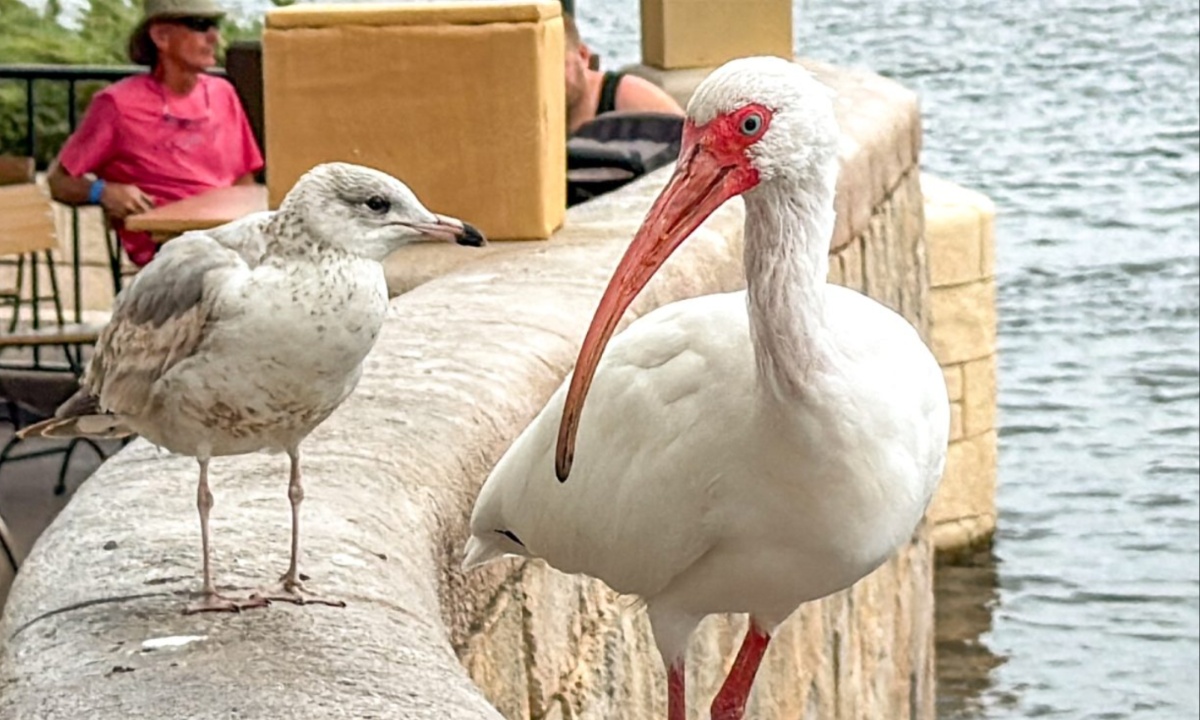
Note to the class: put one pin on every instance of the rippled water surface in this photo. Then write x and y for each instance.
(1079, 118)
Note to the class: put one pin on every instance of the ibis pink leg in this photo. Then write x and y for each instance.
(676, 699)
(213, 601)
(730, 703)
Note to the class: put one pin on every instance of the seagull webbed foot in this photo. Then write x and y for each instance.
(292, 591)
(215, 602)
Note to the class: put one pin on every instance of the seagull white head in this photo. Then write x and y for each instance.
(754, 124)
(368, 213)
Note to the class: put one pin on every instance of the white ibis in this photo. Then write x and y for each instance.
(745, 452)
(247, 337)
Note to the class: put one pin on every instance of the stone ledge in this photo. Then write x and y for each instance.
(963, 321)
(463, 362)
(961, 229)
(469, 354)
(962, 537)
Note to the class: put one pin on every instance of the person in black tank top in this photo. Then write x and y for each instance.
(590, 92)
(608, 92)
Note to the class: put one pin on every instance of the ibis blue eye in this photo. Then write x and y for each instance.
(751, 124)
(378, 204)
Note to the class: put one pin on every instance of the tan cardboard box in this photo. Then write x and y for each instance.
(463, 101)
(679, 34)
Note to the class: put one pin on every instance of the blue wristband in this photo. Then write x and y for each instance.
(95, 192)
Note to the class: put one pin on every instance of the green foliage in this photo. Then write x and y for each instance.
(30, 37)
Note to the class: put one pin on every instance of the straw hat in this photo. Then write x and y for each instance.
(141, 48)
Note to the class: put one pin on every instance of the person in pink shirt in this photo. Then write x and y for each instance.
(156, 138)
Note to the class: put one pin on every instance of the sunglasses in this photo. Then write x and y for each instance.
(198, 24)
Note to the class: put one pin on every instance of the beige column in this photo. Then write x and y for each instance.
(679, 34)
(959, 237)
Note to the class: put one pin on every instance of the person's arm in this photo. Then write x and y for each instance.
(118, 200)
(637, 94)
(70, 177)
(247, 179)
(66, 188)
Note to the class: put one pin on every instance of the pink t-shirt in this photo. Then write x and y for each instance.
(172, 147)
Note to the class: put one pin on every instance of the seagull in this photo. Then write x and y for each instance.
(246, 337)
(744, 452)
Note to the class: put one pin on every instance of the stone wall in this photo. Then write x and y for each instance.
(470, 352)
(960, 238)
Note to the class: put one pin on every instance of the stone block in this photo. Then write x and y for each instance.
(496, 658)
(963, 321)
(955, 245)
(956, 420)
(979, 395)
(851, 260)
(908, 226)
(967, 495)
(959, 230)
(883, 268)
(954, 381)
(707, 33)
(403, 87)
(836, 272)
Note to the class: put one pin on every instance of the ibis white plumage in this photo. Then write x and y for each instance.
(744, 452)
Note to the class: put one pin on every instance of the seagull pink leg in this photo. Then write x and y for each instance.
(676, 698)
(213, 601)
(730, 703)
(291, 590)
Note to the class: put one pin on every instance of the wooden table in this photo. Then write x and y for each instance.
(200, 212)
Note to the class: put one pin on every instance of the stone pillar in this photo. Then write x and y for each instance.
(962, 307)
(678, 34)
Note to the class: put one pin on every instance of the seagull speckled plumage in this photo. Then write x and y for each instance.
(246, 337)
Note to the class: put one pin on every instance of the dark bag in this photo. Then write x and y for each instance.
(616, 148)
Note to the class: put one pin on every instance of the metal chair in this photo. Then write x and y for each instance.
(42, 357)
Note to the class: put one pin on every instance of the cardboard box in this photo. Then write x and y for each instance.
(463, 101)
(679, 34)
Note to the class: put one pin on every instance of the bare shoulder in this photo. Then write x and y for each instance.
(637, 94)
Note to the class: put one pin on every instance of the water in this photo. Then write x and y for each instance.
(1080, 119)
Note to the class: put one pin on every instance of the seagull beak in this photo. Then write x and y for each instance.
(701, 183)
(451, 229)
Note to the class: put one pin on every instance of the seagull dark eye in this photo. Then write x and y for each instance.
(751, 124)
(378, 204)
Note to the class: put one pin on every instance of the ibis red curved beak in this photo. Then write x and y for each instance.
(700, 184)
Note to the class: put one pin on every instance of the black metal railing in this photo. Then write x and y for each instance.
(71, 76)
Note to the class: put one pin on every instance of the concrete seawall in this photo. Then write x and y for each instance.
(472, 349)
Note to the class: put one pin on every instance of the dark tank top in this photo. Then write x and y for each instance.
(608, 92)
